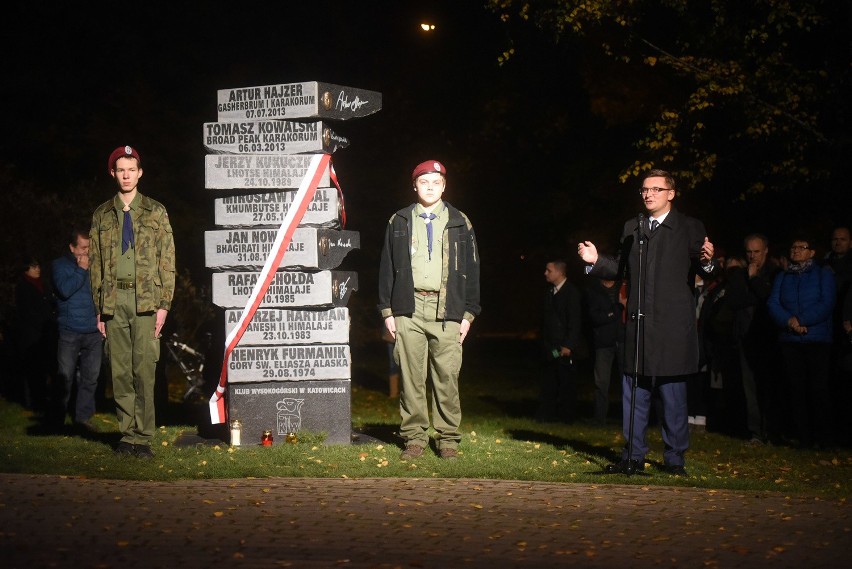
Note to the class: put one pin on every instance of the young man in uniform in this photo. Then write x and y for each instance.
(428, 297)
(132, 272)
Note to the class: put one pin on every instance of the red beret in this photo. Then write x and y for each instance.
(428, 167)
(122, 152)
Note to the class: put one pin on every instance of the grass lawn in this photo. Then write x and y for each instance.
(501, 441)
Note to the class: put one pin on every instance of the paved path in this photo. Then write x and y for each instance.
(55, 521)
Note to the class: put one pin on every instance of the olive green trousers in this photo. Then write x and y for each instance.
(429, 348)
(133, 354)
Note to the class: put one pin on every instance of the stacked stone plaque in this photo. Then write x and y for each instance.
(291, 370)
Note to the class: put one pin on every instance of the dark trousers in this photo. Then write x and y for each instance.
(808, 370)
(698, 393)
(558, 396)
(609, 362)
(675, 424)
(79, 361)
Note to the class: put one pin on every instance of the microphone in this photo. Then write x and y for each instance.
(640, 226)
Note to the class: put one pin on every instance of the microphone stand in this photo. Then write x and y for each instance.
(637, 317)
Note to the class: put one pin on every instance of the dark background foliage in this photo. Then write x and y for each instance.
(537, 147)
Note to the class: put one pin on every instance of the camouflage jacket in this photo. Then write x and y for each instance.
(155, 256)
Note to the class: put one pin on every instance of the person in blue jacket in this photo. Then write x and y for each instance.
(801, 305)
(79, 338)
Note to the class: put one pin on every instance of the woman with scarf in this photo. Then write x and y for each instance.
(801, 305)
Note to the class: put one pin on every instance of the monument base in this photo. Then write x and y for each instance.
(284, 407)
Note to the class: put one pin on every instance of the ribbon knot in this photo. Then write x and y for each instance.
(428, 217)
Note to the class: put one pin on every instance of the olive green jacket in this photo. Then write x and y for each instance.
(155, 256)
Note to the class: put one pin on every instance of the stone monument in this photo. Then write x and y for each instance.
(275, 253)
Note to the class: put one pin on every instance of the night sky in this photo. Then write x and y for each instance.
(80, 81)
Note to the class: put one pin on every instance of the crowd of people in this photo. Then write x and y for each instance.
(775, 342)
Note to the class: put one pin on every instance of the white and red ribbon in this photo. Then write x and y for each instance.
(304, 195)
(342, 207)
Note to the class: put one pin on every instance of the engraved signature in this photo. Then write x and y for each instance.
(341, 243)
(344, 103)
(342, 287)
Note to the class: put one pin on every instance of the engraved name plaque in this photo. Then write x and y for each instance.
(310, 248)
(257, 171)
(270, 209)
(292, 363)
(287, 289)
(296, 100)
(276, 326)
(271, 137)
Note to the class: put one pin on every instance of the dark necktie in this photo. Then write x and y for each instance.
(654, 225)
(429, 217)
(127, 233)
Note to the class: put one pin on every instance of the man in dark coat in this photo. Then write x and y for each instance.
(561, 335)
(673, 247)
(605, 310)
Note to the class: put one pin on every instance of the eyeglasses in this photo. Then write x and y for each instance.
(652, 191)
(799, 247)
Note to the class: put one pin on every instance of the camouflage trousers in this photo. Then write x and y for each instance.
(133, 354)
